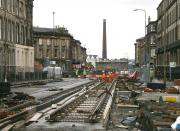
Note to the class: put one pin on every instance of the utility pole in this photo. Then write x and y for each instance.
(53, 20)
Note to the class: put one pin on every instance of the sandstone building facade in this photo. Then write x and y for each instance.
(168, 36)
(56, 47)
(16, 50)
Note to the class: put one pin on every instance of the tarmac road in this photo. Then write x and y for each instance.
(40, 91)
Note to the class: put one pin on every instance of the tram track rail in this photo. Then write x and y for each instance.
(87, 107)
(28, 109)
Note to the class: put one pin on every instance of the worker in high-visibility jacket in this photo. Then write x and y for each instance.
(111, 76)
(151, 74)
(103, 76)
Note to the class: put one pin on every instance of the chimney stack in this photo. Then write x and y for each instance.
(104, 50)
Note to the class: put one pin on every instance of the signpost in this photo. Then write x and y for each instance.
(171, 65)
(52, 62)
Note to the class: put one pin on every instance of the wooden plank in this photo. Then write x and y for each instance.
(128, 106)
(36, 117)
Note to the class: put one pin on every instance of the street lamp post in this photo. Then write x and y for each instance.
(53, 20)
(144, 17)
(148, 77)
(144, 30)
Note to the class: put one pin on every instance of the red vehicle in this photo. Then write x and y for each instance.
(133, 76)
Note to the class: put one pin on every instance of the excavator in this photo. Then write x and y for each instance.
(133, 76)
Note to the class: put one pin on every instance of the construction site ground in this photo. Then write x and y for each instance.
(135, 109)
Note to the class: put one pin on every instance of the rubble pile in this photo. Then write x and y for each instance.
(9, 103)
(146, 107)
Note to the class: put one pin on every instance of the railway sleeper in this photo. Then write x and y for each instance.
(70, 120)
(84, 110)
(79, 114)
(87, 104)
(77, 117)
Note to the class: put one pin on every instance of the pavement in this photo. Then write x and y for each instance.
(143, 78)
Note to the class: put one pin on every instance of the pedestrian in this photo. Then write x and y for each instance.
(77, 73)
(84, 73)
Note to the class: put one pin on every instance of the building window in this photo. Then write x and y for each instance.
(8, 5)
(63, 51)
(12, 32)
(22, 56)
(40, 53)
(21, 35)
(1, 56)
(152, 28)
(152, 40)
(31, 62)
(17, 33)
(8, 30)
(55, 42)
(178, 57)
(3, 4)
(18, 57)
(17, 7)
(44, 41)
(13, 6)
(153, 53)
(55, 52)
(40, 41)
(13, 57)
(178, 33)
(0, 3)
(179, 9)
(48, 42)
(21, 10)
(0, 28)
(47, 53)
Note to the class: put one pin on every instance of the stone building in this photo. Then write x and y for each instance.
(16, 50)
(151, 41)
(112, 65)
(92, 59)
(140, 52)
(57, 47)
(168, 36)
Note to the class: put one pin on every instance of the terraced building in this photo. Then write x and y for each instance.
(16, 48)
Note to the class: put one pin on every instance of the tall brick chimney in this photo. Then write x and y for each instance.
(104, 48)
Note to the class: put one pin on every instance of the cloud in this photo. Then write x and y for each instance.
(84, 20)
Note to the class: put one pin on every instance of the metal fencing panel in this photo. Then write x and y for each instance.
(17, 74)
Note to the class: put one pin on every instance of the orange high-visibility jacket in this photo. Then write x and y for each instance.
(103, 76)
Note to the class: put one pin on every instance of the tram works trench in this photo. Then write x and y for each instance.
(118, 106)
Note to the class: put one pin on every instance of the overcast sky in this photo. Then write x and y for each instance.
(84, 20)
